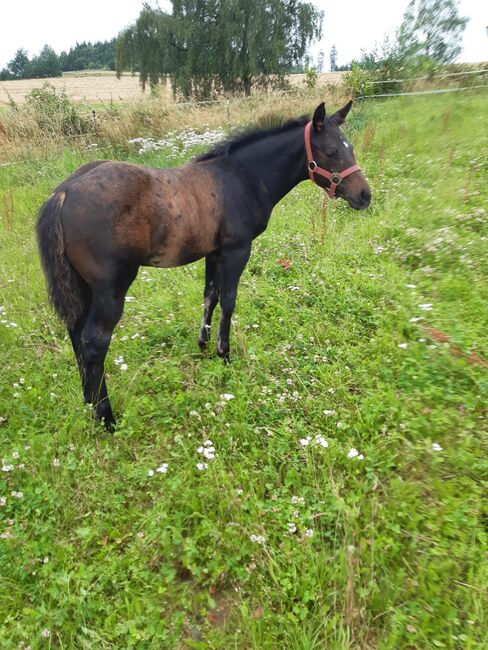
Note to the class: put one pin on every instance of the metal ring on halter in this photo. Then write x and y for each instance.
(312, 165)
(336, 178)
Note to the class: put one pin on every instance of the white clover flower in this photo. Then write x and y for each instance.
(15, 454)
(411, 286)
(320, 440)
(56, 462)
(427, 306)
(123, 366)
(305, 441)
(240, 491)
(3, 501)
(227, 396)
(353, 453)
(297, 500)
(17, 495)
(8, 468)
(329, 412)
(291, 527)
(162, 469)
(46, 633)
(202, 466)
(403, 346)
(340, 425)
(436, 446)
(258, 539)
(308, 532)
(150, 472)
(415, 319)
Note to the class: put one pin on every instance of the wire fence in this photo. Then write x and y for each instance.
(431, 91)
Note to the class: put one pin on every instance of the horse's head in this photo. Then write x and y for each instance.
(331, 152)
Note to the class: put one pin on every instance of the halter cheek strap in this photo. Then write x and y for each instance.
(334, 178)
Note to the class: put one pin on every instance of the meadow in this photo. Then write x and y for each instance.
(328, 489)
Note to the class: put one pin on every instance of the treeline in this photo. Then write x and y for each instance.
(206, 47)
(83, 56)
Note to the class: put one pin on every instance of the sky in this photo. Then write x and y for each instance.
(352, 26)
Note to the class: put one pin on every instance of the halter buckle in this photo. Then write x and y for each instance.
(312, 165)
(336, 178)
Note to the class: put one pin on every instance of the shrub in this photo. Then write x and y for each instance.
(55, 113)
(359, 81)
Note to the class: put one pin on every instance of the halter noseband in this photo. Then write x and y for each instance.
(334, 178)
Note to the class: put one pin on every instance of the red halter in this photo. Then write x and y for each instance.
(334, 178)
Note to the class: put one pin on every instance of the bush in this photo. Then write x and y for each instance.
(311, 77)
(359, 81)
(55, 113)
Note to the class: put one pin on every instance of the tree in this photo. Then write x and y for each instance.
(219, 45)
(18, 67)
(432, 29)
(46, 64)
(333, 58)
(320, 61)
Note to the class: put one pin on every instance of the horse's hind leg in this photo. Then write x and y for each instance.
(210, 296)
(75, 336)
(105, 312)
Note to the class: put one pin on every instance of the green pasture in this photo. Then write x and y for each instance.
(346, 506)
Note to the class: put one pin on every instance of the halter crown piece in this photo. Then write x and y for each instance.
(334, 178)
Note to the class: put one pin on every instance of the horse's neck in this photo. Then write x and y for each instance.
(278, 161)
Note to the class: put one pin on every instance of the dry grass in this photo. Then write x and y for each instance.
(103, 86)
(108, 123)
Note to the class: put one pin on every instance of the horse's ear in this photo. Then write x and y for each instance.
(339, 116)
(319, 117)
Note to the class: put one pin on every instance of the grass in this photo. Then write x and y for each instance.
(389, 552)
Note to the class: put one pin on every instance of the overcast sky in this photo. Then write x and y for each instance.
(351, 26)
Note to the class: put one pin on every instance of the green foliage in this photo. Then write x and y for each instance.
(429, 36)
(333, 58)
(431, 29)
(18, 67)
(89, 56)
(311, 78)
(55, 113)
(358, 81)
(84, 56)
(46, 64)
(209, 47)
(390, 551)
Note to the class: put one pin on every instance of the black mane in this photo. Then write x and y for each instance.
(242, 138)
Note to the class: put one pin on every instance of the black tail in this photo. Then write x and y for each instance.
(64, 283)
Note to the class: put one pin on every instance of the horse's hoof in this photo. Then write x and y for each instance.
(107, 420)
(202, 344)
(224, 354)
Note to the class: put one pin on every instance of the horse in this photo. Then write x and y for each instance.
(109, 218)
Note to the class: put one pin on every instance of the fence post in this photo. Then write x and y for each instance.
(362, 92)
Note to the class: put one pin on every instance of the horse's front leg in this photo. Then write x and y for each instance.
(210, 296)
(232, 264)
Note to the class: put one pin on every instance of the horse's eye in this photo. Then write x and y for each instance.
(331, 153)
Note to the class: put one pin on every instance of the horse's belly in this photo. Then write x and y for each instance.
(183, 243)
(186, 228)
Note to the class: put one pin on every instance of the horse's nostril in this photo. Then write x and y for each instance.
(366, 196)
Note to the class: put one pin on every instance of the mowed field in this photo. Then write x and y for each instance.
(105, 87)
(346, 503)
